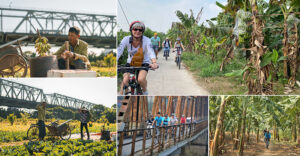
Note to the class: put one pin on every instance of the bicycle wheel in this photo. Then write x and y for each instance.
(132, 90)
(179, 62)
(33, 133)
(139, 90)
(166, 55)
(66, 135)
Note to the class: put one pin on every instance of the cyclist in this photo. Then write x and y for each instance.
(173, 121)
(167, 44)
(165, 123)
(150, 123)
(182, 122)
(267, 138)
(157, 122)
(140, 53)
(155, 40)
(179, 47)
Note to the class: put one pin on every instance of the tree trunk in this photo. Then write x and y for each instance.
(257, 135)
(275, 132)
(214, 150)
(259, 83)
(295, 129)
(248, 130)
(241, 150)
(298, 129)
(285, 48)
(238, 133)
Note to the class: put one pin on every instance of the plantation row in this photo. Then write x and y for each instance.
(240, 116)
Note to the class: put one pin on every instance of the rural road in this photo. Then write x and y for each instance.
(169, 80)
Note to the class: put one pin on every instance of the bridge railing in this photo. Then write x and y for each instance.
(162, 137)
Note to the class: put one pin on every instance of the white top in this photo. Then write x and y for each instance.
(147, 49)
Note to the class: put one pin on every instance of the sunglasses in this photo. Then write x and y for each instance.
(140, 30)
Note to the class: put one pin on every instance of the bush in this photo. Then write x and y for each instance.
(202, 65)
(11, 118)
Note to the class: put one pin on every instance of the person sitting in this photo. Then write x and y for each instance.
(76, 52)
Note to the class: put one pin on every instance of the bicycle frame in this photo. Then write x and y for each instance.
(135, 88)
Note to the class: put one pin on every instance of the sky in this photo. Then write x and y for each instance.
(158, 15)
(107, 7)
(95, 90)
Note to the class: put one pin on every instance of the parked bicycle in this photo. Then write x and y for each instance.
(63, 130)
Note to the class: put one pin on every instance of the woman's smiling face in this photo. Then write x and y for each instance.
(137, 32)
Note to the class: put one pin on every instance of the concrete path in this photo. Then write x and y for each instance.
(169, 80)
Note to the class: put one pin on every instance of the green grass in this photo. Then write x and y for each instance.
(209, 76)
(204, 67)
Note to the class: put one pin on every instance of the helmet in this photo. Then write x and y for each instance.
(155, 33)
(136, 24)
(178, 39)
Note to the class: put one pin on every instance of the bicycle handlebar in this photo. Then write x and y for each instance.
(122, 68)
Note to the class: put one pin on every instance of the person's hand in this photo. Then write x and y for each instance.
(67, 54)
(154, 65)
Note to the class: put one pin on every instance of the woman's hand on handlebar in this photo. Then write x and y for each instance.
(154, 66)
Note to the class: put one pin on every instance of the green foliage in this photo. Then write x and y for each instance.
(62, 147)
(12, 136)
(110, 60)
(24, 118)
(11, 118)
(42, 46)
(205, 68)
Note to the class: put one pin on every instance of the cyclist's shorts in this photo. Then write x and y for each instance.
(155, 47)
(143, 65)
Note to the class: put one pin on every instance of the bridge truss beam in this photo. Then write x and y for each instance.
(14, 90)
(54, 22)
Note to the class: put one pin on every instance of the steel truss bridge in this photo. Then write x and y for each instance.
(15, 92)
(96, 29)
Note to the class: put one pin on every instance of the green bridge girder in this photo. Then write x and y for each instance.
(96, 29)
(13, 90)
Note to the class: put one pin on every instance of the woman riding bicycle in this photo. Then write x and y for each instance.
(140, 54)
(178, 46)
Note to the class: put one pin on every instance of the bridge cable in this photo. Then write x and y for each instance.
(123, 12)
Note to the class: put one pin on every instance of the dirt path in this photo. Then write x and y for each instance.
(169, 80)
(259, 149)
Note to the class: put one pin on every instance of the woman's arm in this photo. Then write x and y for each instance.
(121, 47)
(182, 46)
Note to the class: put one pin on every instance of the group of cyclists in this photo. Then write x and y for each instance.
(164, 120)
(142, 52)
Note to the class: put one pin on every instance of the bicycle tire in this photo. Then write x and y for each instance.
(33, 131)
(179, 62)
(166, 56)
(67, 134)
